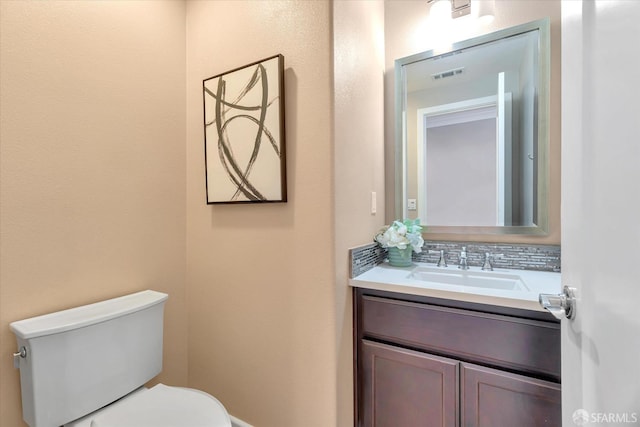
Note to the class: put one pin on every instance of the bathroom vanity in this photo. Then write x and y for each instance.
(435, 345)
(422, 359)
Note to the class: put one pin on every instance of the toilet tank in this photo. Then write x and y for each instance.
(81, 359)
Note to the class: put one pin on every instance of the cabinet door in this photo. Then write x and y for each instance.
(492, 398)
(407, 388)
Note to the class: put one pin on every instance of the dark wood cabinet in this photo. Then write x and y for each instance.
(408, 388)
(491, 398)
(423, 361)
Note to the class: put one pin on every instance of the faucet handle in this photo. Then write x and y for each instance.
(442, 262)
(487, 260)
(463, 259)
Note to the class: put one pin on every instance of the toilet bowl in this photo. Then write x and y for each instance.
(87, 366)
(159, 406)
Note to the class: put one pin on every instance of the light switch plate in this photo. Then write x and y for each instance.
(374, 202)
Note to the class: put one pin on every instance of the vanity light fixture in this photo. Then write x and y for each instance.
(485, 10)
(439, 10)
(482, 9)
(460, 8)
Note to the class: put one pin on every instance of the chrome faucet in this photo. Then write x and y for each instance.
(442, 262)
(463, 259)
(487, 266)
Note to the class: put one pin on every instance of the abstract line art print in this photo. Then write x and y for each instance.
(244, 134)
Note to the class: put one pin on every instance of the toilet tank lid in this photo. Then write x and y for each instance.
(86, 315)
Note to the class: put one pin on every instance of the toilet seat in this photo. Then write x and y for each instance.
(164, 406)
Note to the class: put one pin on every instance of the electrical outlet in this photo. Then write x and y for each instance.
(411, 204)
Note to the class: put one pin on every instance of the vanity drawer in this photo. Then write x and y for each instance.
(518, 344)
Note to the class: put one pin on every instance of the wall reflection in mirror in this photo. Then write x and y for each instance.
(473, 135)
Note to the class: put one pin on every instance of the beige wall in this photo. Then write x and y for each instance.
(96, 157)
(92, 165)
(358, 49)
(260, 278)
(93, 185)
(406, 33)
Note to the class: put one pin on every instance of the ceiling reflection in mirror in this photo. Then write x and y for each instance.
(472, 134)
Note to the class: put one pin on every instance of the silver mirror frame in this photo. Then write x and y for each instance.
(544, 76)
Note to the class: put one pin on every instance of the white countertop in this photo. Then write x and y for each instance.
(395, 279)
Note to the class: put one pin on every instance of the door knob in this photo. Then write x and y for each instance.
(560, 305)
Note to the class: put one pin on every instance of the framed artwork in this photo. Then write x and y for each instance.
(244, 134)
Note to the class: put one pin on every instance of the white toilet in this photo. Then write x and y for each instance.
(86, 367)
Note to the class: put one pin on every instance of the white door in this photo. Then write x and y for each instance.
(601, 211)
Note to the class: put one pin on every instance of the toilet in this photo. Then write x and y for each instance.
(87, 366)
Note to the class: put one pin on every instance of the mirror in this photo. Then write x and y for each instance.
(472, 134)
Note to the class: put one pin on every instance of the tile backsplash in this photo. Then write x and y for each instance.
(510, 255)
(364, 258)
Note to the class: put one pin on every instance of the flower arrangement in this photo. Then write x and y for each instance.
(402, 235)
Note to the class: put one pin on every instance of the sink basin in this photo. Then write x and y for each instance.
(470, 278)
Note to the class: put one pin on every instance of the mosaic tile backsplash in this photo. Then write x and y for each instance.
(364, 258)
(513, 256)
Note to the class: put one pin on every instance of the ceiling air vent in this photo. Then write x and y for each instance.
(448, 73)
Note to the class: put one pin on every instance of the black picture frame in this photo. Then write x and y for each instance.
(244, 133)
